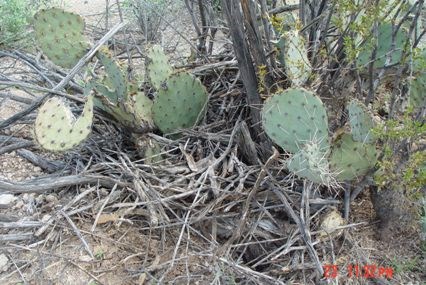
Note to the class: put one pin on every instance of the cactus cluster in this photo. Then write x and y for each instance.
(180, 100)
(296, 120)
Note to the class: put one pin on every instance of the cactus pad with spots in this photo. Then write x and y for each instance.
(361, 122)
(56, 128)
(159, 68)
(387, 47)
(295, 117)
(115, 77)
(350, 159)
(59, 34)
(296, 62)
(181, 104)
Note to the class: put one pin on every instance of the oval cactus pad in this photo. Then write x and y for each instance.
(181, 104)
(60, 36)
(296, 62)
(158, 67)
(350, 159)
(56, 129)
(361, 122)
(295, 117)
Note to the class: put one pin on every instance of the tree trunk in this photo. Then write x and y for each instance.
(234, 16)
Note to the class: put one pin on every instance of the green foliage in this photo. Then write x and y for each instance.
(56, 129)
(402, 170)
(60, 35)
(14, 15)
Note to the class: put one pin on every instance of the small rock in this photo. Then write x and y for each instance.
(46, 218)
(51, 198)
(37, 169)
(85, 258)
(6, 200)
(19, 205)
(39, 199)
(4, 263)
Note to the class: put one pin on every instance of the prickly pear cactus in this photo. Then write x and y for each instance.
(295, 117)
(143, 107)
(361, 122)
(418, 84)
(116, 78)
(418, 91)
(56, 129)
(350, 159)
(296, 62)
(311, 162)
(133, 113)
(181, 104)
(385, 47)
(159, 68)
(60, 36)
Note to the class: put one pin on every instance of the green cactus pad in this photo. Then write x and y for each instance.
(294, 117)
(159, 68)
(385, 47)
(297, 65)
(361, 122)
(60, 36)
(181, 104)
(350, 159)
(418, 91)
(418, 83)
(310, 163)
(56, 129)
(115, 76)
(143, 107)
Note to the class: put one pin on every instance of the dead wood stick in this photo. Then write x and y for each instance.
(40, 185)
(15, 146)
(47, 165)
(86, 58)
(16, 237)
(21, 224)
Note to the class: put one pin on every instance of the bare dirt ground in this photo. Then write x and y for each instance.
(109, 249)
